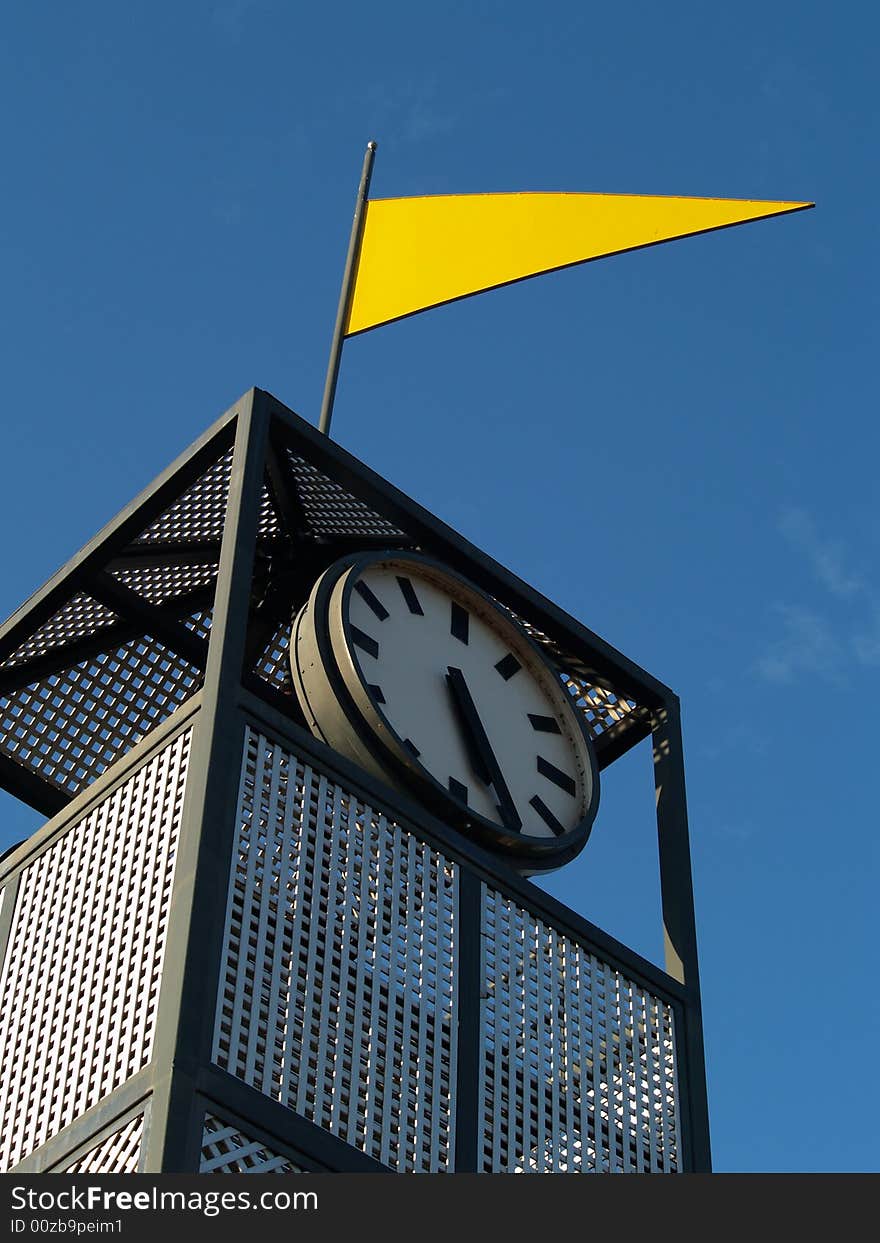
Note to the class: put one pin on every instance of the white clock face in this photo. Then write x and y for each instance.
(461, 692)
(449, 693)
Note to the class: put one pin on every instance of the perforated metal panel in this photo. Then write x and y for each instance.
(338, 994)
(118, 1153)
(78, 619)
(274, 663)
(161, 583)
(199, 514)
(200, 622)
(80, 981)
(267, 527)
(227, 1150)
(578, 1062)
(601, 708)
(80, 712)
(68, 728)
(330, 509)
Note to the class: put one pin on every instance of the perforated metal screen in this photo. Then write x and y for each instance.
(578, 1062)
(80, 618)
(158, 584)
(228, 1150)
(337, 995)
(80, 980)
(273, 664)
(332, 510)
(71, 727)
(199, 514)
(118, 1153)
(90, 681)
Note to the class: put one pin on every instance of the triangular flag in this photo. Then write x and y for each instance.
(417, 253)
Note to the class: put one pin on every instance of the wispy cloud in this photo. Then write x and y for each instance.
(414, 112)
(828, 558)
(866, 642)
(839, 630)
(806, 645)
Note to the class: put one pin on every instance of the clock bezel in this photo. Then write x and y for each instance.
(348, 718)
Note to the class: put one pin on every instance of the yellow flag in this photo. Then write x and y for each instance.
(418, 253)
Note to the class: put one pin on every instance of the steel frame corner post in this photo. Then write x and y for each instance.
(188, 994)
(679, 927)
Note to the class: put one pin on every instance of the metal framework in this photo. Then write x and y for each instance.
(145, 705)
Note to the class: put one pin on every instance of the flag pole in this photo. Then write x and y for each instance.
(348, 279)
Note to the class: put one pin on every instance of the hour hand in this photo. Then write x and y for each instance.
(479, 749)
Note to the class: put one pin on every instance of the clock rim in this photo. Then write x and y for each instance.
(327, 608)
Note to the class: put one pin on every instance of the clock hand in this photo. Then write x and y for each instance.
(470, 725)
(478, 747)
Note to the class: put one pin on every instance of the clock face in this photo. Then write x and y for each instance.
(414, 673)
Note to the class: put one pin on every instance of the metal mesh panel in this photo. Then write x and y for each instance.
(337, 995)
(67, 726)
(274, 663)
(80, 982)
(330, 510)
(578, 1062)
(199, 513)
(71, 726)
(78, 619)
(601, 708)
(200, 623)
(268, 527)
(119, 1153)
(158, 583)
(226, 1150)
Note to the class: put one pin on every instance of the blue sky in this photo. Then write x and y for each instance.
(679, 446)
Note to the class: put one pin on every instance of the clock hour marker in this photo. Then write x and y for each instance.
(373, 603)
(557, 776)
(547, 815)
(457, 790)
(365, 642)
(409, 594)
(459, 622)
(376, 692)
(508, 666)
(411, 747)
(544, 724)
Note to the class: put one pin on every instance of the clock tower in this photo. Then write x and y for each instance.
(301, 747)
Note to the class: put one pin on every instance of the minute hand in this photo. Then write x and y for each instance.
(484, 762)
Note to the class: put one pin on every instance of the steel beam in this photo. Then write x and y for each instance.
(679, 926)
(184, 1029)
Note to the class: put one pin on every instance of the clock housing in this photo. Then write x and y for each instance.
(413, 672)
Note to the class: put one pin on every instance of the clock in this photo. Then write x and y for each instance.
(411, 671)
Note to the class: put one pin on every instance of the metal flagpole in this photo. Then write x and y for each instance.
(351, 262)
